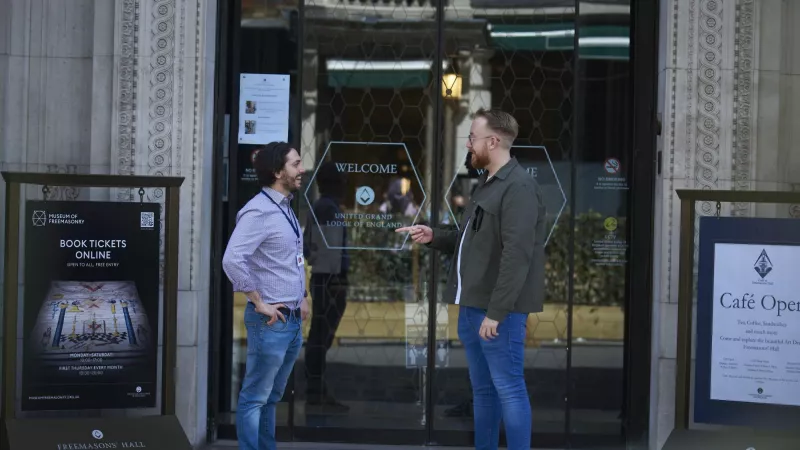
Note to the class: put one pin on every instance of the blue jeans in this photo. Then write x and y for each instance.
(498, 384)
(271, 354)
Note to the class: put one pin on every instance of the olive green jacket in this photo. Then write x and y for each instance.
(502, 267)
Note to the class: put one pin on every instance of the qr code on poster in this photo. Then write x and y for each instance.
(147, 219)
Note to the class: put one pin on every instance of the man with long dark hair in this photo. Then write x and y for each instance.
(264, 260)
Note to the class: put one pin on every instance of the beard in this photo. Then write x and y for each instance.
(290, 183)
(475, 161)
(471, 170)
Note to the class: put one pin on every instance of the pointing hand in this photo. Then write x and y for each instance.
(421, 234)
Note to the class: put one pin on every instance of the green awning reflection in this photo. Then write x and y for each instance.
(379, 74)
(402, 80)
(596, 41)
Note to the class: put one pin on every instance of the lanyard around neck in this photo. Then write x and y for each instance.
(295, 227)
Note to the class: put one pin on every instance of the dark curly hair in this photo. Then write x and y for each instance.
(270, 160)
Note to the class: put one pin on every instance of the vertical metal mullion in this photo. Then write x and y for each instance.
(435, 207)
(297, 142)
(226, 327)
(576, 145)
(683, 365)
(169, 353)
(11, 305)
(214, 307)
(643, 172)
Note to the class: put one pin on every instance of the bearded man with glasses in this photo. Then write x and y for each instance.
(497, 278)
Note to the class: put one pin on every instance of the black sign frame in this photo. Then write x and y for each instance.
(683, 436)
(8, 413)
(733, 230)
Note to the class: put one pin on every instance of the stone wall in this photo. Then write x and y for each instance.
(729, 101)
(121, 87)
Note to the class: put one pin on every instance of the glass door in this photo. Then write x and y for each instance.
(261, 40)
(499, 60)
(382, 97)
(367, 134)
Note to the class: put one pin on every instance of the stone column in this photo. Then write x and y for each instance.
(164, 111)
(122, 87)
(476, 94)
(47, 55)
(729, 122)
(696, 93)
(430, 142)
(308, 133)
(784, 51)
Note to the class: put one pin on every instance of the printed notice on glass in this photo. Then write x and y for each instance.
(263, 108)
(755, 341)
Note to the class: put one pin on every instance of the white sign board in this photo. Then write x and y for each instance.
(263, 108)
(755, 341)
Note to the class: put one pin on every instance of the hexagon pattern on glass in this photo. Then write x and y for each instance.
(370, 87)
(537, 163)
(371, 225)
(514, 66)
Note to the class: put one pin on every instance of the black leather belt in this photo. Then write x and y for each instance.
(289, 312)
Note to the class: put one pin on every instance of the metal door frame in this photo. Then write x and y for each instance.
(635, 423)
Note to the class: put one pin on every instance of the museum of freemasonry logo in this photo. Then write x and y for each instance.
(39, 218)
(763, 265)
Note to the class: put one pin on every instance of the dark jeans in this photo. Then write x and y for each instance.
(496, 375)
(271, 353)
(328, 301)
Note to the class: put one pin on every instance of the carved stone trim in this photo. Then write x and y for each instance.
(179, 63)
(669, 223)
(198, 125)
(161, 97)
(67, 193)
(688, 154)
(159, 142)
(709, 58)
(704, 110)
(128, 70)
(743, 72)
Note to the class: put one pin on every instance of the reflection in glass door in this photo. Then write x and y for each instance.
(367, 139)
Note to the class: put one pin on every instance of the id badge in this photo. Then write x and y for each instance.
(300, 260)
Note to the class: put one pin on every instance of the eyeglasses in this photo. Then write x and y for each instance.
(472, 138)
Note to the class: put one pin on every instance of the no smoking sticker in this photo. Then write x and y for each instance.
(612, 166)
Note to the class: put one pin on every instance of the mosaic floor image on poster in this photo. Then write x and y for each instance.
(83, 317)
